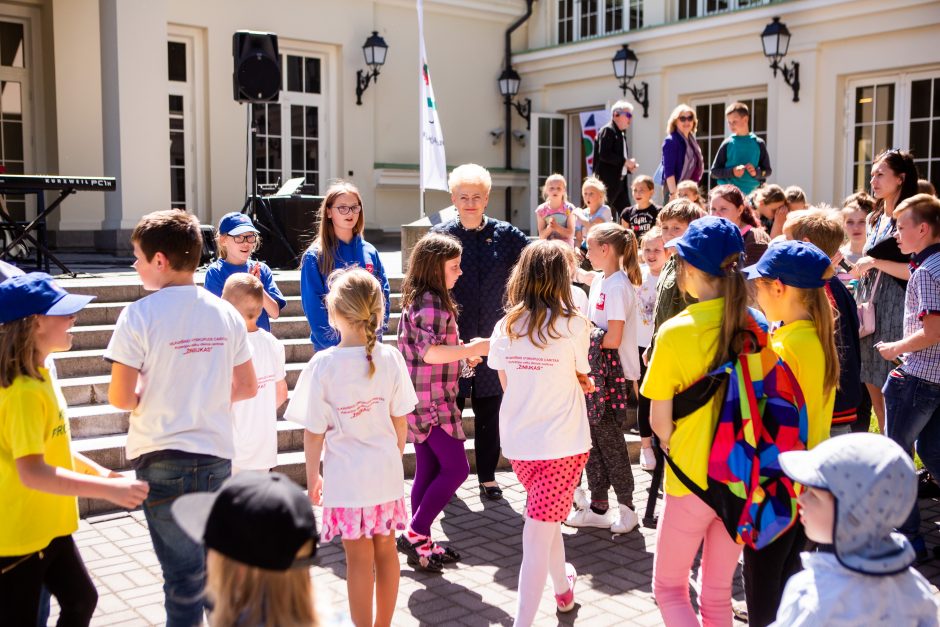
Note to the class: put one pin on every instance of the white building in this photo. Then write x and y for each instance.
(142, 90)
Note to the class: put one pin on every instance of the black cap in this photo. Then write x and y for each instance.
(258, 519)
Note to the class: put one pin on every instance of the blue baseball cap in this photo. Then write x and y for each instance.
(797, 264)
(236, 223)
(36, 293)
(708, 242)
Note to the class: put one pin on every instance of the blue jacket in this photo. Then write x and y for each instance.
(221, 270)
(488, 257)
(313, 288)
(673, 155)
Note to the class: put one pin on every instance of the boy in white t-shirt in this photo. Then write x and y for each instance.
(255, 419)
(179, 358)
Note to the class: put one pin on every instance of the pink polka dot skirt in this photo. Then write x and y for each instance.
(550, 485)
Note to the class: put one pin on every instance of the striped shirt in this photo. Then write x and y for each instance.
(923, 299)
(426, 323)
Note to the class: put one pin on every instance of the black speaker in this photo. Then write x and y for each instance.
(288, 224)
(257, 75)
(209, 248)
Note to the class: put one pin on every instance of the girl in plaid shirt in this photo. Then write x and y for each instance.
(433, 352)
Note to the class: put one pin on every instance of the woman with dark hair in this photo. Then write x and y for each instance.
(883, 270)
(682, 157)
(727, 201)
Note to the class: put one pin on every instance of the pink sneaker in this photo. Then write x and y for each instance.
(565, 601)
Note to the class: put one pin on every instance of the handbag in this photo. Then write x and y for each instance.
(866, 311)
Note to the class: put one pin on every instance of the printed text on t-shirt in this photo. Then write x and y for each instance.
(198, 344)
(531, 363)
(359, 407)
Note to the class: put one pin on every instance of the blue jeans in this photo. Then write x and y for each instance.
(912, 413)
(183, 561)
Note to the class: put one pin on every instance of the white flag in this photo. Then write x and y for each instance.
(433, 165)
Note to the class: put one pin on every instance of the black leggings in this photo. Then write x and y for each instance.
(60, 568)
(643, 407)
(766, 572)
(485, 434)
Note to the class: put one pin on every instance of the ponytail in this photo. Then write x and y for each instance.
(625, 247)
(369, 327)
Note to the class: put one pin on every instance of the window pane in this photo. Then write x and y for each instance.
(313, 122)
(935, 146)
(863, 139)
(936, 97)
(295, 73)
(636, 14)
(313, 157)
(11, 44)
(296, 121)
(884, 138)
(176, 60)
(176, 123)
(297, 153)
(864, 104)
(704, 121)
(274, 154)
(11, 101)
(544, 162)
(884, 103)
(588, 18)
(312, 76)
(274, 119)
(613, 19)
(176, 104)
(759, 115)
(259, 113)
(544, 132)
(12, 141)
(935, 174)
(178, 185)
(177, 149)
(920, 99)
(920, 138)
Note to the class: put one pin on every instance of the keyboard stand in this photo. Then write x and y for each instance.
(38, 224)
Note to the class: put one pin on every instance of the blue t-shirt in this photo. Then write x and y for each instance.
(313, 287)
(221, 270)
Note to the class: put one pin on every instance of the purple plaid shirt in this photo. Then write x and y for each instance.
(424, 324)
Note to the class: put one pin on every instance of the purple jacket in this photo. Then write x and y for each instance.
(674, 156)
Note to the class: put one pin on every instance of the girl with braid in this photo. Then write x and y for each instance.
(354, 397)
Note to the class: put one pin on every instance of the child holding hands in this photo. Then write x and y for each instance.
(40, 476)
(540, 350)
(429, 341)
(354, 398)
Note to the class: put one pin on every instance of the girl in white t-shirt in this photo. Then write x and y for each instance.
(355, 396)
(612, 303)
(540, 351)
(653, 251)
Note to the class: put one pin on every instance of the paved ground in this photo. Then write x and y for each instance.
(613, 587)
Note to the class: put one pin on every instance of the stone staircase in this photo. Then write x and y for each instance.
(100, 430)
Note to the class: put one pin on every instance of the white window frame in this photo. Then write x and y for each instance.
(535, 190)
(601, 18)
(702, 7)
(902, 115)
(193, 92)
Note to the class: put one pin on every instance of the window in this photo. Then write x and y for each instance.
(580, 19)
(701, 8)
(182, 155)
(900, 111)
(713, 128)
(13, 97)
(547, 154)
(290, 142)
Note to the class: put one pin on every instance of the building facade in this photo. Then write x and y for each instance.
(142, 90)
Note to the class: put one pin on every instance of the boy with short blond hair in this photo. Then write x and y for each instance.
(823, 228)
(255, 419)
(179, 358)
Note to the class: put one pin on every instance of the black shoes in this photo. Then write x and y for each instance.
(492, 492)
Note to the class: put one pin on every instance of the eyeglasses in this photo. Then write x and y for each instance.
(251, 238)
(344, 210)
(686, 118)
(626, 113)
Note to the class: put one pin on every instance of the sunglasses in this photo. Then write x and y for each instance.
(251, 238)
(686, 118)
(626, 113)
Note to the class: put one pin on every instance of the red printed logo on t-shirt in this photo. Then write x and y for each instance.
(369, 267)
(600, 301)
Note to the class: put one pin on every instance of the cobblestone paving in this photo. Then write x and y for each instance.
(613, 584)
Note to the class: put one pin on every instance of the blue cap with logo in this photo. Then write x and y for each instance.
(708, 242)
(236, 223)
(797, 264)
(36, 293)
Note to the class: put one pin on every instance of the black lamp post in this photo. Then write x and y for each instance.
(374, 50)
(625, 62)
(508, 88)
(776, 41)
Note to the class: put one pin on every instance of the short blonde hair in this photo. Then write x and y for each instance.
(246, 293)
(621, 105)
(469, 174)
(689, 185)
(819, 226)
(595, 183)
(555, 177)
(674, 118)
(655, 232)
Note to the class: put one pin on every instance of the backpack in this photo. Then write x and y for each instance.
(762, 414)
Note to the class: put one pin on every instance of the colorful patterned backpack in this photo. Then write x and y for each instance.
(762, 414)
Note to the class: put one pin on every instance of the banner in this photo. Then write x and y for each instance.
(433, 164)
(591, 122)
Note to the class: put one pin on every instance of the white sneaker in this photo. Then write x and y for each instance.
(627, 521)
(647, 458)
(581, 500)
(587, 518)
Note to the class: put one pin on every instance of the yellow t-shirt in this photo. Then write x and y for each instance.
(798, 345)
(685, 346)
(33, 422)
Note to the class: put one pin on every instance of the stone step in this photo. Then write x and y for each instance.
(106, 313)
(293, 464)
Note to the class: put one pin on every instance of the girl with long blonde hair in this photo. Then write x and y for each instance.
(339, 244)
(540, 351)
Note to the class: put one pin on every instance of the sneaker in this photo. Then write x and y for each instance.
(647, 458)
(739, 611)
(565, 601)
(627, 521)
(587, 518)
(581, 500)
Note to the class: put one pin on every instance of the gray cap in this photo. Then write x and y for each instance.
(875, 488)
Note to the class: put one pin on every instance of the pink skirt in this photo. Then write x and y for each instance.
(353, 523)
(550, 485)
